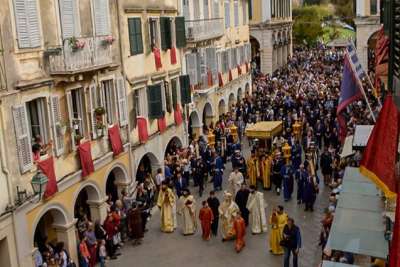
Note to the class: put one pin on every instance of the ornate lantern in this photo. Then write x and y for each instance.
(297, 129)
(286, 149)
(211, 139)
(234, 132)
(38, 183)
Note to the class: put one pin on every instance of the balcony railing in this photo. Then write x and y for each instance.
(95, 54)
(204, 29)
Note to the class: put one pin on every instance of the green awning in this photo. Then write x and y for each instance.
(336, 264)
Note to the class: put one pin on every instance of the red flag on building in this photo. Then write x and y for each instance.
(230, 75)
(142, 130)
(209, 78)
(379, 158)
(85, 156)
(173, 55)
(394, 252)
(115, 140)
(47, 167)
(157, 58)
(178, 115)
(162, 124)
(381, 57)
(220, 80)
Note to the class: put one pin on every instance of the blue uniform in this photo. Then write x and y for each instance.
(287, 175)
(218, 172)
(301, 178)
(296, 156)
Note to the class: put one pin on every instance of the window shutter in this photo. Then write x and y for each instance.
(191, 68)
(154, 98)
(212, 62)
(93, 106)
(24, 147)
(167, 89)
(122, 105)
(56, 121)
(135, 36)
(202, 66)
(27, 23)
(227, 13)
(101, 17)
(236, 12)
(69, 18)
(180, 32)
(186, 97)
(165, 29)
(216, 9)
(71, 117)
(174, 93)
(133, 112)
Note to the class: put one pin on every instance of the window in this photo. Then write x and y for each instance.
(27, 23)
(37, 119)
(227, 14)
(196, 9)
(206, 12)
(225, 61)
(140, 102)
(109, 101)
(166, 33)
(191, 68)
(244, 12)
(215, 9)
(233, 62)
(250, 8)
(69, 18)
(373, 7)
(236, 12)
(186, 94)
(155, 103)
(174, 89)
(76, 111)
(101, 17)
(153, 32)
(135, 36)
(185, 8)
(167, 91)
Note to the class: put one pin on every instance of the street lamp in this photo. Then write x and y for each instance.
(39, 182)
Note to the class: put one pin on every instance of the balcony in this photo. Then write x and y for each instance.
(90, 54)
(204, 29)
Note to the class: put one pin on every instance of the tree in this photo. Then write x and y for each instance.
(344, 9)
(308, 23)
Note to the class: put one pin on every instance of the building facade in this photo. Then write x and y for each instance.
(367, 25)
(216, 58)
(271, 33)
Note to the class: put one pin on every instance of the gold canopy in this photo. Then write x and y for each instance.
(264, 129)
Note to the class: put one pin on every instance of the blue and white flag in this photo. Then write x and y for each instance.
(351, 50)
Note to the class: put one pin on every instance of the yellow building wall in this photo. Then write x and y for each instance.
(257, 12)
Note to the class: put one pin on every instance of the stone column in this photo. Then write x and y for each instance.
(67, 234)
(274, 59)
(284, 54)
(98, 209)
(279, 57)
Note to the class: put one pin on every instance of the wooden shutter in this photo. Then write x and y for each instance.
(56, 120)
(202, 66)
(154, 98)
(180, 32)
(101, 17)
(227, 13)
(167, 89)
(191, 68)
(135, 35)
(186, 96)
(27, 23)
(212, 62)
(71, 118)
(23, 138)
(165, 30)
(174, 88)
(93, 106)
(122, 105)
(69, 18)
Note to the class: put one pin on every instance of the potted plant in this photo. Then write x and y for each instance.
(100, 129)
(108, 40)
(99, 111)
(76, 44)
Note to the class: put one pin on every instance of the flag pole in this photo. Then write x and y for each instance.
(373, 88)
(361, 87)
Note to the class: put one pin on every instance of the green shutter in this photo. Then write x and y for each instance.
(186, 96)
(154, 98)
(385, 16)
(180, 31)
(168, 97)
(174, 93)
(165, 29)
(135, 36)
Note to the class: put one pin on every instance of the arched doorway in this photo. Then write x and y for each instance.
(255, 51)
(148, 164)
(239, 94)
(231, 101)
(247, 89)
(88, 193)
(116, 180)
(174, 144)
(194, 125)
(208, 116)
(371, 52)
(46, 229)
(221, 107)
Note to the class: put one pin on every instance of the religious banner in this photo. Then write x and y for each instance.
(239, 69)
(230, 75)
(157, 58)
(162, 124)
(115, 140)
(220, 79)
(178, 115)
(142, 130)
(47, 168)
(173, 55)
(85, 156)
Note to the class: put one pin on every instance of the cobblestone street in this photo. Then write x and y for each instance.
(169, 250)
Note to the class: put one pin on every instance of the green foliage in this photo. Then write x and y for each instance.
(344, 10)
(308, 23)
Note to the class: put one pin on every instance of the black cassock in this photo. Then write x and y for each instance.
(241, 201)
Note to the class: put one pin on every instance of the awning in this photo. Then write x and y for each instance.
(347, 149)
(361, 136)
(336, 264)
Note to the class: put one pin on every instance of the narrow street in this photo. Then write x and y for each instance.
(169, 250)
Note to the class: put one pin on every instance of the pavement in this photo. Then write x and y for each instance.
(174, 250)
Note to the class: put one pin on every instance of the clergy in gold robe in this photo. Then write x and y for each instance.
(227, 212)
(166, 201)
(277, 222)
(255, 206)
(187, 209)
(253, 168)
(265, 165)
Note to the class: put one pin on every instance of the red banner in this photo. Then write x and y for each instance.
(209, 78)
(220, 79)
(239, 68)
(115, 140)
(142, 129)
(173, 55)
(178, 115)
(47, 167)
(85, 156)
(157, 58)
(230, 75)
(162, 124)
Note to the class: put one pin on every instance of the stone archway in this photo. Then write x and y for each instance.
(240, 94)
(148, 164)
(208, 115)
(231, 101)
(172, 145)
(117, 179)
(88, 201)
(194, 125)
(255, 51)
(221, 107)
